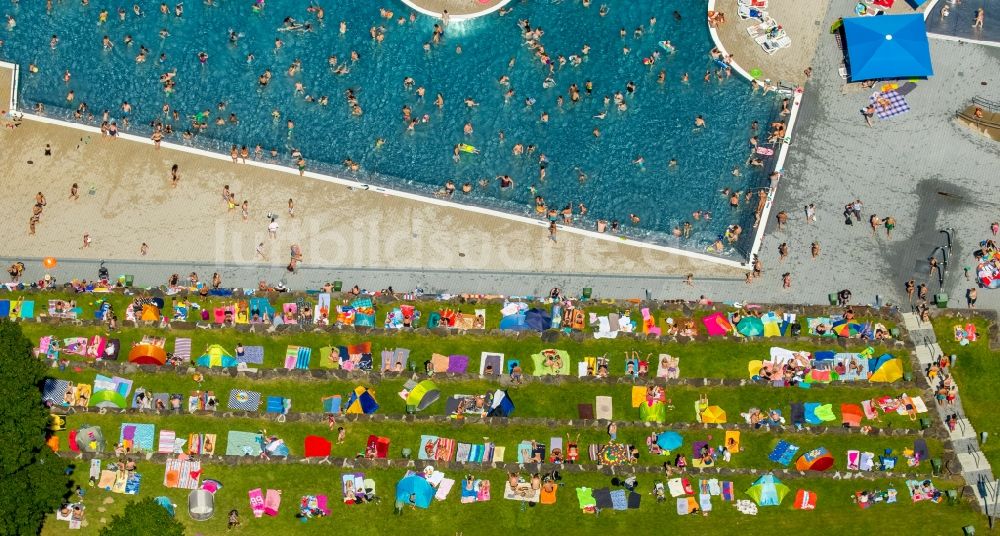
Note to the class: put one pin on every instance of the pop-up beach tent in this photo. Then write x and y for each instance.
(216, 356)
(361, 401)
(201, 505)
(887, 47)
(818, 459)
(421, 395)
(502, 405)
(414, 490)
(90, 439)
(147, 354)
(768, 491)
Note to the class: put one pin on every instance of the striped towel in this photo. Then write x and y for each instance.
(297, 357)
(167, 438)
(182, 349)
(897, 104)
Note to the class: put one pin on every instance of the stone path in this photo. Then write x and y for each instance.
(972, 463)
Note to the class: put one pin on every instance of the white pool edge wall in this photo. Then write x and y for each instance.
(455, 18)
(758, 239)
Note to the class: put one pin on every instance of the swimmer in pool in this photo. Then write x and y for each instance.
(699, 122)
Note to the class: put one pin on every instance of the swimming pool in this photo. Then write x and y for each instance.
(658, 124)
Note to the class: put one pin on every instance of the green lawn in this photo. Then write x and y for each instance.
(977, 373)
(723, 358)
(530, 399)
(426, 306)
(500, 516)
(719, 359)
(756, 445)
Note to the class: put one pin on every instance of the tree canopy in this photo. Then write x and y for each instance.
(144, 516)
(34, 478)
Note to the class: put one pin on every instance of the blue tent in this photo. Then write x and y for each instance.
(361, 401)
(669, 440)
(886, 47)
(502, 405)
(418, 487)
(537, 320)
(533, 319)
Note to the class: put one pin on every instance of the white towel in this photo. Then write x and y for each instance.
(603, 408)
(443, 489)
(676, 487)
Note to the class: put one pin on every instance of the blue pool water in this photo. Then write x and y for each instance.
(658, 124)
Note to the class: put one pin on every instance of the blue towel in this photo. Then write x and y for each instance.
(275, 404)
(619, 501)
(810, 408)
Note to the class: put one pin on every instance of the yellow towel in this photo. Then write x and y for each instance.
(638, 395)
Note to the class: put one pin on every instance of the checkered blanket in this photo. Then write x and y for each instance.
(53, 390)
(253, 355)
(244, 400)
(897, 104)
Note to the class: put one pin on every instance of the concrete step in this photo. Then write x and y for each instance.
(924, 355)
(973, 463)
(910, 321)
(963, 430)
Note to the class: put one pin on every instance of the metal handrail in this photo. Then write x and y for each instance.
(987, 104)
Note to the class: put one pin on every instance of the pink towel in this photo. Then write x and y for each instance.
(272, 501)
(256, 502)
(321, 504)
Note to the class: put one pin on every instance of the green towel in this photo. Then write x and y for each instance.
(825, 412)
(586, 497)
(541, 370)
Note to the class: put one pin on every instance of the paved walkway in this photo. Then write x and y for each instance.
(974, 467)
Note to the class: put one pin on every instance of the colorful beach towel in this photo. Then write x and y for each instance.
(298, 357)
(242, 444)
(137, 437)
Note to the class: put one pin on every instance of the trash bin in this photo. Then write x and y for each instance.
(832, 297)
(894, 332)
(936, 465)
(337, 285)
(587, 291)
(925, 423)
(968, 530)
(908, 376)
(941, 299)
(129, 279)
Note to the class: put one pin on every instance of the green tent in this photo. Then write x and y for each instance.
(656, 413)
(421, 395)
(768, 491)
